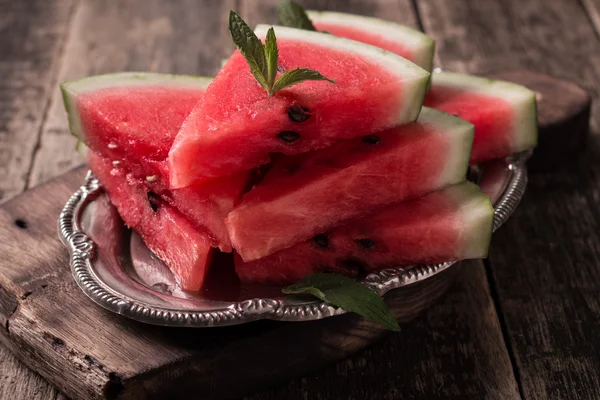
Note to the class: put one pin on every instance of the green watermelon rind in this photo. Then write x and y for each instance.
(477, 217)
(459, 154)
(422, 45)
(523, 101)
(415, 80)
(71, 89)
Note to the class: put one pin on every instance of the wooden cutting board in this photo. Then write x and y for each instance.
(91, 353)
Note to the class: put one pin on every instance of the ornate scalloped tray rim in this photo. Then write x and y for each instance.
(81, 250)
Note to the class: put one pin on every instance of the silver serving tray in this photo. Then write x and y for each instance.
(114, 268)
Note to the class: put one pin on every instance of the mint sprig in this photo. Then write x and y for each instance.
(296, 76)
(250, 46)
(348, 294)
(263, 59)
(272, 56)
(293, 15)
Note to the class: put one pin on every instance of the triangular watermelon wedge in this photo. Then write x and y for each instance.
(504, 113)
(172, 237)
(237, 125)
(131, 119)
(400, 39)
(304, 195)
(447, 225)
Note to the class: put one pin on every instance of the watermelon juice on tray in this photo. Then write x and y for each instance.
(307, 194)
(358, 89)
(450, 224)
(504, 113)
(132, 119)
(184, 248)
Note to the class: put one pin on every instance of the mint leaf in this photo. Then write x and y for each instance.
(348, 294)
(298, 75)
(293, 15)
(272, 54)
(262, 59)
(251, 48)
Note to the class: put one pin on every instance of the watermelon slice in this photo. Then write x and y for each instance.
(132, 119)
(307, 194)
(237, 125)
(402, 40)
(504, 113)
(184, 248)
(448, 225)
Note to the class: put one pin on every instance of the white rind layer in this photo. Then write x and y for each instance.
(477, 219)
(70, 90)
(422, 45)
(460, 135)
(522, 100)
(415, 79)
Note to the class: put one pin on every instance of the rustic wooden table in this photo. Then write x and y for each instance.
(521, 325)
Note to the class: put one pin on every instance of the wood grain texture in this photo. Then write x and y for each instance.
(181, 37)
(31, 36)
(454, 350)
(545, 263)
(32, 33)
(592, 8)
(17, 382)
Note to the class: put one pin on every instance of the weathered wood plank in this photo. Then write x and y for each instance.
(32, 34)
(182, 36)
(592, 8)
(454, 350)
(545, 264)
(17, 382)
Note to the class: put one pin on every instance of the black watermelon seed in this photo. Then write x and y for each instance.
(473, 174)
(288, 136)
(367, 243)
(298, 113)
(321, 240)
(371, 139)
(153, 199)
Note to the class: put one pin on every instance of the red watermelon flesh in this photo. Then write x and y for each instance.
(307, 194)
(132, 119)
(448, 225)
(172, 237)
(402, 40)
(206, 204)
(504, 114)
(237, 125)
